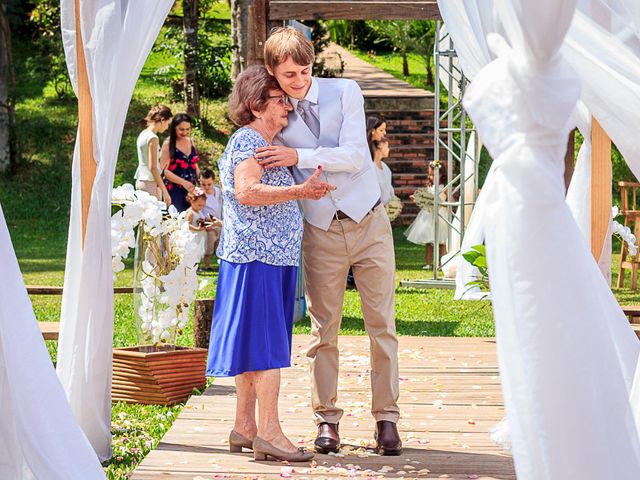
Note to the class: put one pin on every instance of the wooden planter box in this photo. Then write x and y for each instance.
(157, 377)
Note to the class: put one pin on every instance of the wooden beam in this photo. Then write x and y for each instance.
(54, 290)
(353, 10)
(85, 122)
(600, 187)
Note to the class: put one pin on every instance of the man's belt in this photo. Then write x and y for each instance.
(340, 215)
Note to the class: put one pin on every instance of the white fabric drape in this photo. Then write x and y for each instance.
(608, 63)
(39, 437)
(118, 35)
(567, 353)
(579, 191)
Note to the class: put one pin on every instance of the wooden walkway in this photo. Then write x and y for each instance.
(450, 397)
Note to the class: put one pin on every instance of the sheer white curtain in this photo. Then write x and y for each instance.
(39, 436)
(579, 192)
(118, 35)
(609, 68)
(567, 353)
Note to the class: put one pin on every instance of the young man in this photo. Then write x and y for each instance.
(347, 228)
(213, 209)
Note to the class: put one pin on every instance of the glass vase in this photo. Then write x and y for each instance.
(156, 323)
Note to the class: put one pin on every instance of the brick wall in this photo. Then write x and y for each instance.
(410, 134)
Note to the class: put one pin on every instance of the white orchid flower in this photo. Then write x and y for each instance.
(116, 264)
(123, 194)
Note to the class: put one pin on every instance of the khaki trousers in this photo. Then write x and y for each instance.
(327, 255)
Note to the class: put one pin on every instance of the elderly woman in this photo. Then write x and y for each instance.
(259, 252)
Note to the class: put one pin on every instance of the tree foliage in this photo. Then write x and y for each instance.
(212, 62)
(44, 30)
(397, 34)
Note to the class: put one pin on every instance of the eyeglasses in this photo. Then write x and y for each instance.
(282, 99)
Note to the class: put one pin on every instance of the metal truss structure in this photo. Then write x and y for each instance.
(452, 130)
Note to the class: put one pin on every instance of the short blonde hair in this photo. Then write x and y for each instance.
(250, 93)
(285, 42)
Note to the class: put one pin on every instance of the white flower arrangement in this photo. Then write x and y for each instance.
(393, 208)
(167, 269)
(624, 233)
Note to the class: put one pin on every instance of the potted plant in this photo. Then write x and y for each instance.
(165, 283)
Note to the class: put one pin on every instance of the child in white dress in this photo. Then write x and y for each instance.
(422, 230)
(197, 198)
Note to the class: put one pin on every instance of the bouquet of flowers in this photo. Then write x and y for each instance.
(624, 233)
(393, 208)
(424, 198)
(165, 278)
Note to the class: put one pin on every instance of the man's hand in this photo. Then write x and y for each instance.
(276, 156)
(314, 188)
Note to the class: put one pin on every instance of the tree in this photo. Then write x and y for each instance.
(424, 38)
(8, 151)
(239, 34)
(191, 12)
(398, 35)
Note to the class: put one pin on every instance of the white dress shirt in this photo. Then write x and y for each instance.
(341, 149)
(213, 205)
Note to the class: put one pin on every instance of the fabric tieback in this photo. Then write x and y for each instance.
(309, 117)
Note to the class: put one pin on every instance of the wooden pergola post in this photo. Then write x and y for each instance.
(600, 187)
(85, 123)
(258, 18)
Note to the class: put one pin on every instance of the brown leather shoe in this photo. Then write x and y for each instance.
(388, 438)
(328, 439)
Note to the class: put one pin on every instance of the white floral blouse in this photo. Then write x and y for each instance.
(270, 234)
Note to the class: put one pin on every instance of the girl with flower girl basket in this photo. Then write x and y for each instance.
(421, 231)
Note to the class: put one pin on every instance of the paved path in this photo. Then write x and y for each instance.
(373, 81)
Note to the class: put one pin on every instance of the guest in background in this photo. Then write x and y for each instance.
(212, 212)
(149, 172)
(196, 219)
(379, 151)
(422, 230)
(376, 129)
(180, 155)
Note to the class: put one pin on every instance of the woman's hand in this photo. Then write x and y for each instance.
(188, 186)
(167, 198)
(314, 188)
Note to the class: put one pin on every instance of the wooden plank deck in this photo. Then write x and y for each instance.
(450, 397)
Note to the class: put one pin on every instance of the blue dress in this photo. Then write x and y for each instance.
(259, 253)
